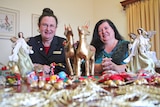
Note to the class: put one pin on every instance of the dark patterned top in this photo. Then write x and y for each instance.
(118, 54)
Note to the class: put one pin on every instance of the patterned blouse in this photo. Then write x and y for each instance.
(118, 54)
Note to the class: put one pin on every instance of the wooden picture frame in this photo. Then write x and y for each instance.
(35, 28)
(9, 22)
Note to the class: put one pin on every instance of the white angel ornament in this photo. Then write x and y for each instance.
(20, 54)
(140, 56)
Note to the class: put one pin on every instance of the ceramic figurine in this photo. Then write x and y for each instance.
(20, 54)
(140, 56)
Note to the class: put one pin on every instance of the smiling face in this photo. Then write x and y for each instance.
(48, 28)
(105, 32)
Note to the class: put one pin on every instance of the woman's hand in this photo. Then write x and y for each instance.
(46, 69)
(107, 64)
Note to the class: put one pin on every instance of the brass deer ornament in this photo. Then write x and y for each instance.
(69, 49)
(83, 51)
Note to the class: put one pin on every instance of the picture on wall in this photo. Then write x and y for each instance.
(9, 22)
(35, 29)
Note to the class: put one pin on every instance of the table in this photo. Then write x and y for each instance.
(86, 94)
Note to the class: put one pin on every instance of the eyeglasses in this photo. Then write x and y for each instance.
(44, 25)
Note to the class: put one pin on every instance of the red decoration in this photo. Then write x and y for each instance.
(4, 68)
(48, 79)
(123, 76)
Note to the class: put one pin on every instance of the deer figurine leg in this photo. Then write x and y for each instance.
(78, 67)
(89, 65)
(68, 63)
(69, 49)
(92, 65)
(87, 72)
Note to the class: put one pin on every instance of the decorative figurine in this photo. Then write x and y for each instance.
(69, 49)
(76, 52)
(140, 56)
(20, 55)
(84, 52)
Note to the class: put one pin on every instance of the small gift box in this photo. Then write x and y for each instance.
(31, 77)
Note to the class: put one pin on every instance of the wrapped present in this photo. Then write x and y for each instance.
(11, 74)
(32, 77)
(13, 79)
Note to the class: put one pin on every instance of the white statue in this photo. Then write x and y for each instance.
(140, 56)
(20, 54)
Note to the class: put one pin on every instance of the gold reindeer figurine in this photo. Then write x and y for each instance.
(69, 49)
(84, 51)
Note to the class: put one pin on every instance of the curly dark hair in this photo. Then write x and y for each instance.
(96, 42)
(47, 12)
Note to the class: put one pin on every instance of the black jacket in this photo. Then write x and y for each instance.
(56, 52)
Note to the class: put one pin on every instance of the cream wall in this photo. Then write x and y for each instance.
(112, 10)
(73, 12)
